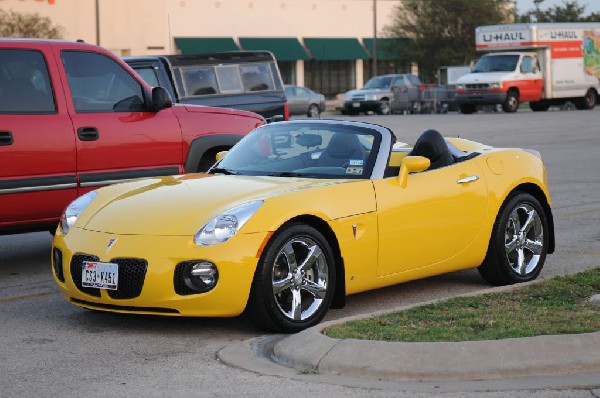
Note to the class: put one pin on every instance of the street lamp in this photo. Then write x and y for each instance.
(374, 37)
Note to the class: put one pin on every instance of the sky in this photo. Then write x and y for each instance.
(525, 5)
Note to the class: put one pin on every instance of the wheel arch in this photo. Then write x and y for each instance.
(202, 147)
(535, 191)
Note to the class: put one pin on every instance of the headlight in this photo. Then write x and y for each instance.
(495, 85)
(224, 226)
(460, 86)
(371, 97)
(74, 209)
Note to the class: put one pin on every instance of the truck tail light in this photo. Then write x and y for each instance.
(286, 111)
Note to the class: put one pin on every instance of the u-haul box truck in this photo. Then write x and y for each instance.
(544, 64)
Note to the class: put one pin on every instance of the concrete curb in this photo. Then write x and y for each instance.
(476, 360)
(311, 351)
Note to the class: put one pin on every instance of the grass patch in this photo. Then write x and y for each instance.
(555, 306)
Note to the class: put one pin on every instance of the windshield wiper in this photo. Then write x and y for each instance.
(286, 174)
(220, 170)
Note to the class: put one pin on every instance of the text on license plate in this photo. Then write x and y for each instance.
(100, 275)
(356, 104)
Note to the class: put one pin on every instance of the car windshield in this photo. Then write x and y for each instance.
(379, 82)
(496, 63)
(312, 150)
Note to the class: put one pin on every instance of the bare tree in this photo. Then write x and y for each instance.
(15, 24)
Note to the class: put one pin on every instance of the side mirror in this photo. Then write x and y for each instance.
(220, 155)
(160, 99)
(273, 119)
(411, 164)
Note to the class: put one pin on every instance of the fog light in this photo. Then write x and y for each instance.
(198, 276)
(206, 272)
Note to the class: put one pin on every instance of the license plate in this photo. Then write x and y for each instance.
(356, 104)
(100, 275)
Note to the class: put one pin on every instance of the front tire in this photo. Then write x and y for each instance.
(519, 242)
(384, 108)
(294, 282)
(511, 104)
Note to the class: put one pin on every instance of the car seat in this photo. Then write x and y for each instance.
(433, 146)
(342, 148)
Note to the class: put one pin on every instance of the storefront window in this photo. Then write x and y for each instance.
(330, 77)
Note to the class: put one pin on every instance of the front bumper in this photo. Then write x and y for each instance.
(480, 98)
(362, 106)
(235, 259)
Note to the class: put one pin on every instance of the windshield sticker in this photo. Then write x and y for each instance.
(354, 170)
(357, 162)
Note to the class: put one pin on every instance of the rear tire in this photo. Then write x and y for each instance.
(519, 242)
(587, 102)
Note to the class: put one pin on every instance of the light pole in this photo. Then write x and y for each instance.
(374, 38)
(97, 22)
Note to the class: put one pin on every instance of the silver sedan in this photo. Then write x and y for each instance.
(303, 101)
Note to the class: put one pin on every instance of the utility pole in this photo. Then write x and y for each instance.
(97, 22)
(374, 38)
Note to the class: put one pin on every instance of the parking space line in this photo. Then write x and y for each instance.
(28, 296)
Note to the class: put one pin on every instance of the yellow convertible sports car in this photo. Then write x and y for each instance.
(300, 214)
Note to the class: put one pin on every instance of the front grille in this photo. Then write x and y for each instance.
(477, 86)
(57, 263)
(76, 270)
(358, 98)
(132, 272)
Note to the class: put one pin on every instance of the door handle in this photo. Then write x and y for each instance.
(6, 138)
(467, 180)
(88, 133)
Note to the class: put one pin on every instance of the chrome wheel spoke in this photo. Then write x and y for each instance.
(534, 246)
(514, 219)
(296, 304)
(315, 289)
(290, 256)
(533, 219)
(512, 245)
(282, 284)
(314, 253)
(521, 264)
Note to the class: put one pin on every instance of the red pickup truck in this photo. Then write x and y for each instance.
(74, 117)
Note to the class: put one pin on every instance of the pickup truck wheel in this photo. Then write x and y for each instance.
(384, 108)
(466, 109)
(589, 101)
(512, 102)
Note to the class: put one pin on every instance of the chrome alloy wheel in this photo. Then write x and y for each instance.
(300, 278)
(524, 239)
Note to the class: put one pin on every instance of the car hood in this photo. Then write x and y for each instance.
(180, 205)
(486, 77)
(367, 91)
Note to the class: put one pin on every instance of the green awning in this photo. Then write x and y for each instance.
(284, 49)
(205, 45)
(387, 48)
(335, 49)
